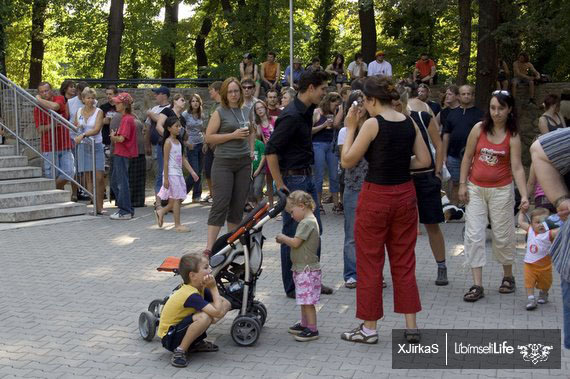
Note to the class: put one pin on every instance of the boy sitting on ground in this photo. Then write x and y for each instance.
(190, 310)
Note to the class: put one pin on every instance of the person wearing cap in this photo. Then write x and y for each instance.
(154, 138)
(248, 70)
(380, 66)
(357, 68)
(125, 140)
(297, 72)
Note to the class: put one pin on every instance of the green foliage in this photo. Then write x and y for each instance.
(76, 35)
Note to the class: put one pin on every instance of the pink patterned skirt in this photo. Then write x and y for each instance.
(176, 188)
(307, 286)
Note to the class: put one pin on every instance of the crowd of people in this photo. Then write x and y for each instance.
(390, 154)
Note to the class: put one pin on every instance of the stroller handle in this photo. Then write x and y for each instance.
(278, 208)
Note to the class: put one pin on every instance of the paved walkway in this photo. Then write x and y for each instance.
(71, 294)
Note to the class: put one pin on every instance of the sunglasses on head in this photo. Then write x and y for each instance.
(501, 92)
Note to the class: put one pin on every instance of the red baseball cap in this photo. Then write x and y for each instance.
(124, 98)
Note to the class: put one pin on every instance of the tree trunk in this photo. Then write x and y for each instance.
(323, 40)
(486, 52)
(168, 54)
(114, 36)
(200, 46)
(367, 29)
(465, 41)
(37, 37)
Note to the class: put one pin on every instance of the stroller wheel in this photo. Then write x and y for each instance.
(259, 311)
(147, 325)
(245, 330)
(155, 307)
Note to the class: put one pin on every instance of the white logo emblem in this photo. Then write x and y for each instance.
(535, 352)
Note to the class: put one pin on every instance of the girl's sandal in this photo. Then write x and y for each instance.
(412, 335)
(475, 293)
(204, 347)
(507, 285)
(159, 220)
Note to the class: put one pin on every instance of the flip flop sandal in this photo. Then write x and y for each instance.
(159, 222)
(412, 335)
(507, 285)
(475, 293)
(204, 347)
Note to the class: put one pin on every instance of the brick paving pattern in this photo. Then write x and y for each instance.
(71, 294)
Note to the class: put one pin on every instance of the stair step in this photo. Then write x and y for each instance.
(26, 199)
(38, 212)
(7, 161)
(26, 185)
(20, 173)
(7, 150)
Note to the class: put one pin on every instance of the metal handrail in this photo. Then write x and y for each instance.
(55, 120)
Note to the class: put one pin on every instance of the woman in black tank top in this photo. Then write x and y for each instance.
(386, 215)
(428, 181)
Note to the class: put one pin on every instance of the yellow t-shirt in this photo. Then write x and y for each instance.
(174, 310)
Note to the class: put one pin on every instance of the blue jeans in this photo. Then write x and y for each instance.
(196, 160)
(293, 183)
(159, 167)
(120, 185)
(324, 156)
(454, 167)
(349, 200)
(566, 311)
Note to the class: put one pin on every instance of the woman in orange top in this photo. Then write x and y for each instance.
(492, 159)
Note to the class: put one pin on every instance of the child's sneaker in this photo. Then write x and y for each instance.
(307, 335)
(296, 329)
(531, 303)
(179, 358)
(543, 297)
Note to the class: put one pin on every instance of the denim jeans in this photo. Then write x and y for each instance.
(325, 156)
(159, 167)
(120, 185)
(349, 200)
(293, 183)
(566, 311)
(196, 160)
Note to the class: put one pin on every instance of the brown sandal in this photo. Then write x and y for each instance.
(475, 293)
(507, 285)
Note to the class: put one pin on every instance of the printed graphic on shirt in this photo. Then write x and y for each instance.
(178, 160)
(533, 248)
(490, 156)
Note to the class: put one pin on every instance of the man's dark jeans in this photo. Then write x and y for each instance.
(293, 183)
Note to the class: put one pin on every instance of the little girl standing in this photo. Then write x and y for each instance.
(306, 268)
(173, 184)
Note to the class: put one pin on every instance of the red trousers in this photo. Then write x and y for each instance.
(386, 217)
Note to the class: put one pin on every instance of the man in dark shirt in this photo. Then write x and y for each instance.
(289, 154)
(109, 111)
(458, 125)
(423, 95)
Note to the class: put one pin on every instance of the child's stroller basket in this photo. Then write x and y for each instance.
(236, 264)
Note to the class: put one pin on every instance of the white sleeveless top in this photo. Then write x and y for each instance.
(88, 124)
(175, 160)
(537, 246)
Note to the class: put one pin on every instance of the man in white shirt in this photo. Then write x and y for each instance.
(380, 66)
(357, 68)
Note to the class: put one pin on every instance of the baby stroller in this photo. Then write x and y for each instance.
(236, 264)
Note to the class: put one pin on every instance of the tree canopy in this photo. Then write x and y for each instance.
(212, 39)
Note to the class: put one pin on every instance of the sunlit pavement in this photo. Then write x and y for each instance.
(71, 294)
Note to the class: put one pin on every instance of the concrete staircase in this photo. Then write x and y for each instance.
(26, 196)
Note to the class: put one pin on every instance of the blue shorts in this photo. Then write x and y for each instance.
(63, 160)
(173, 338)
(84, 157)
(454, 168)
